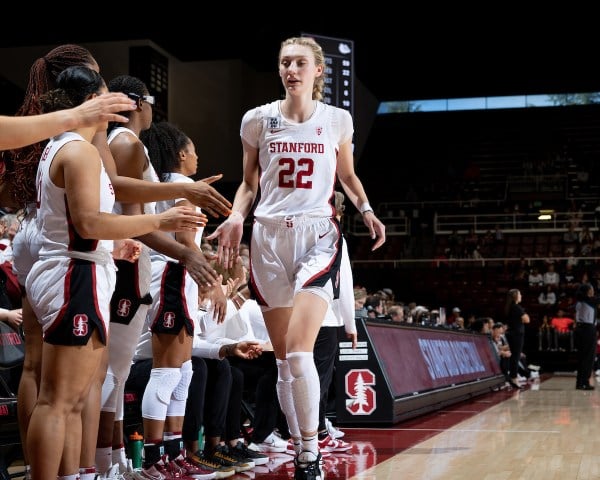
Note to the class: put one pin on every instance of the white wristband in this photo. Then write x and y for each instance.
(236, 213)
(365, 207)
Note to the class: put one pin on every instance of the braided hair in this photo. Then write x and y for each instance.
(19, 167)
(164, 141)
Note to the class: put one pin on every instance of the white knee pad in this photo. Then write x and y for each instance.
(110, 393)
(158, 392)
(284, 394)
(306, 390)
(176, 407)
(300, 363)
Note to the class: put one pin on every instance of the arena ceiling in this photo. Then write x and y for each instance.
(399, 55)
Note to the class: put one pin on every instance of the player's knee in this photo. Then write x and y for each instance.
(181, 390)
(300, 363)
(157, 396)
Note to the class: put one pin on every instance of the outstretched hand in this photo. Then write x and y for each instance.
(202, 194)
(180, 219)
(229, 235)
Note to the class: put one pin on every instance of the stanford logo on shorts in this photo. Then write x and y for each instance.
(80, 325)
(169, 320)
(362, 399)
(124, 307)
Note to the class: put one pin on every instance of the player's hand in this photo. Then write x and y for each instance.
(103, 108)
(376, 229)
(202, 194)
(180, 219)
(229, 235)
(127, 249)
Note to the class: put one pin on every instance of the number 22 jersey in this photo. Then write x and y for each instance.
(297, 161)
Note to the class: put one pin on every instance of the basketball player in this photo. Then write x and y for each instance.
(70, 286)
(298, 145)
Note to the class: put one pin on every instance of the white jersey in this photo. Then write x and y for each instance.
(149, 174)
(53, 219)
(297, 160)
(163, 206)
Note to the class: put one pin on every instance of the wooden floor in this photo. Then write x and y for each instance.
(548, 431)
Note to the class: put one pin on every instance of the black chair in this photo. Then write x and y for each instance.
(10, 438)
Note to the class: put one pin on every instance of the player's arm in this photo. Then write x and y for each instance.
(16, 132)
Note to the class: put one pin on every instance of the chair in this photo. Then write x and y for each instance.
(10, 438)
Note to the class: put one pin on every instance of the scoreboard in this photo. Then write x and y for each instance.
(339, 71)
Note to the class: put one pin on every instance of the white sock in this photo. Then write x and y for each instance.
(120, 456)
(104, 459)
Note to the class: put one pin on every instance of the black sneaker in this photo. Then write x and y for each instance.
(243, 453)
(221, 455)
(221, 471)
(308, 467)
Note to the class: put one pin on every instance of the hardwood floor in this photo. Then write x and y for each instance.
(548, 431)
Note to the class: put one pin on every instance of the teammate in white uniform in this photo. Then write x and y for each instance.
(131, 298)
(170, 319)
(292, 151)
(70, 286)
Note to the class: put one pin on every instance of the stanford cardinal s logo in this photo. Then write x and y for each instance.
(168, 320)
(361, 399)
(80, 325)
(124, 307)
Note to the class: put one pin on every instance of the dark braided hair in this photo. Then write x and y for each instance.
(164, 141)
(19, 166)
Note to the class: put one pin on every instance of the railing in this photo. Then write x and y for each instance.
(515, 222)
(393, 225)
(472, 262)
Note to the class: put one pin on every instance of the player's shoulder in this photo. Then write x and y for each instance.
(262, 111)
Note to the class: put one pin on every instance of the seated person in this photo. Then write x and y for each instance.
(562, 323)
(563, 330)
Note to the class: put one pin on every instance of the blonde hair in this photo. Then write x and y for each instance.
(317, 51)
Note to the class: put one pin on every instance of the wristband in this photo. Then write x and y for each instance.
(238, 294)
(235, 212)
(365, 207)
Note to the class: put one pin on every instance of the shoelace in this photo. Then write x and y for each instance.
(206, 461)
(185, 465)
(226, 457)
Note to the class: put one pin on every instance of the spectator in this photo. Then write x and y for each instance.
(396, 313)
(563, 330)
(551, 276)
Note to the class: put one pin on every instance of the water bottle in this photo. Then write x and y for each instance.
(136, 449)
